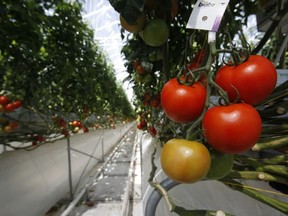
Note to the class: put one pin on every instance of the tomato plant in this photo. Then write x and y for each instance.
(253, 79)
(221, 165)
(232, 129)
(185, 161)
(183, 103)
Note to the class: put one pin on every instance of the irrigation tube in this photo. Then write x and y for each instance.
(155, 197)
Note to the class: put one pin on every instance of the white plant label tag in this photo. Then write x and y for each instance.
(207, 14)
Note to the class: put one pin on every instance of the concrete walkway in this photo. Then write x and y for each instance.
(117, 185)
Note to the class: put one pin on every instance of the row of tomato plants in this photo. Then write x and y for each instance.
(25, 128)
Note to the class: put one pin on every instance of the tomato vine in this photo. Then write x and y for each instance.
(50, 62)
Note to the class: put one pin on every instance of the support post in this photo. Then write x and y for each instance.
(102, 145)
(69, 169)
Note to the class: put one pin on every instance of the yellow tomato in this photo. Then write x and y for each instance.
(185, 161)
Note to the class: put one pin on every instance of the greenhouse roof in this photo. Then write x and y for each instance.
(106, 25)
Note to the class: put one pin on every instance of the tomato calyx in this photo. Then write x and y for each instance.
(189, 77)
(224, 99)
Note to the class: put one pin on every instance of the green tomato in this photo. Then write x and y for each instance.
(221, 165)
(156, 32)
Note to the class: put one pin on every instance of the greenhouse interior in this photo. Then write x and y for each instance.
(143, 108)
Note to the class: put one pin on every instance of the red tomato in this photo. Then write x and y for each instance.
(143, 123)
(140, 70)
(13, 124)
(85, 129)
(17, 104)
(254, 79)
(40, 138)
(146, 99)
(139, 126)
(185, 161)
(76, 123)
(136, 63)
(155, 102)
(4, 100)
(232, 129)
(9, 107)
(152, 130)
(182, 103)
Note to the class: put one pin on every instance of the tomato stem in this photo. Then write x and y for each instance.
(254, 193)
(256, 175)
(275, 143)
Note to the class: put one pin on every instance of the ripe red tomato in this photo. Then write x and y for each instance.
(146, 100)
(40, 138)
(9, 107)
(155, 102)
(143, 123)
(232, 129)
(86, 129)
(76, 123)
(4, 100)
(152, 130)
(13, 124)
(16, 104)
(140, 70)
(254, 79)
(183, 103)
(185, 161)
(139, 126)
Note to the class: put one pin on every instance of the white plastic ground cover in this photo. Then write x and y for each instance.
(210, 195)
(31, 182)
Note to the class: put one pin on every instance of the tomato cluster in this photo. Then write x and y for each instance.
(227, 129)
(153, 31)
(77, 125)
(8, 126)
(6, 105)
(37, 138)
